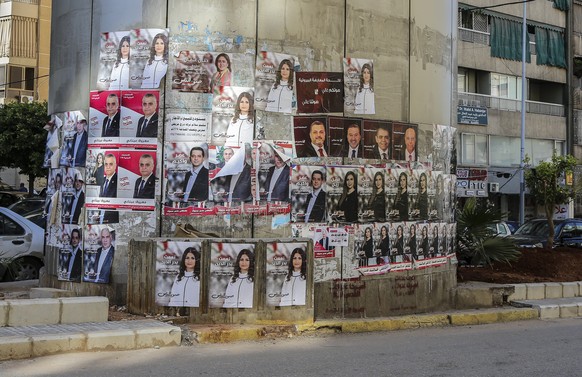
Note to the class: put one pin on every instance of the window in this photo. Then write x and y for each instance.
(21, 77)
(474, 149)
(9, 227)
(505, 86)
(474, 21)
(505, 151)
(462, 80)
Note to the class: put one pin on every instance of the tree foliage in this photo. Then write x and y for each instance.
(475, 242)
(22, 137)
(544, 184)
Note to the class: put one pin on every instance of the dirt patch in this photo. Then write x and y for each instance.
(534, 266)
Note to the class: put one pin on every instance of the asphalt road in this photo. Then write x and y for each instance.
(527, 348)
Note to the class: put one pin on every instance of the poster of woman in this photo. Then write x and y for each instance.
(372, 192)
(342, 194)
(359, 86)
(287, 272)
(178, 273)
(275, 82)
(114, 63)
(233, 115)
(149, 56)
(232, 275)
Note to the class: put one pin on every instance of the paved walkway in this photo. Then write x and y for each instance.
(39, 340)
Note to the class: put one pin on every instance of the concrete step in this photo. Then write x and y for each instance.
(554, 307)
(31, 341)
(48, 311)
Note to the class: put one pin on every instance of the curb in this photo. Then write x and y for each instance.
(33, 341)
(223, 334)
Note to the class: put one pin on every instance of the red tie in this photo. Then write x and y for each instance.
(321, 152)
(410, 157)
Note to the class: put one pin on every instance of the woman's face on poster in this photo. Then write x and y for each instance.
(190, 262)
(159, 46)
(350, 181)
(297, 261)
(222, 63)
(378, 182)
(412, 231)
(399, 231)
(285, 72)
(368, 233)
(99, 159)
(423, 182)
(244, 264)
(244, 106)
(366, 75)
(384, 232)
(424, 232)
(125, 50)
(403, 181)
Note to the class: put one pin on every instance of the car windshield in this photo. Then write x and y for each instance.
(539, 228)
(26, 206)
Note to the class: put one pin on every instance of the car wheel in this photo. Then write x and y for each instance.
(25, 269)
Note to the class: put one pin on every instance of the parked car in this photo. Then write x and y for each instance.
(513, 225)
(28, 205)
(9, 197)
(21, 247)
(500, 229)
(534, 233)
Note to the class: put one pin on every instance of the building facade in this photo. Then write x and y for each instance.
(24, 49)
(489, 85)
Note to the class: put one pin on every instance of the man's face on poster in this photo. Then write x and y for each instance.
(80, 127)
(105, 238)
(75, 238)
(410, 139)
(354, 137)
(196, 158)
(149, 105)
(146, 166)
(316, 181)
(112, 105)
(317, 135)
(278, 160)
(78, 184)
(382, 139)
(110, 166)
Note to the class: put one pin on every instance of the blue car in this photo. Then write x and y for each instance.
(534, 233)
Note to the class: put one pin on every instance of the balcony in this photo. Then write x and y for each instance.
(506, 104)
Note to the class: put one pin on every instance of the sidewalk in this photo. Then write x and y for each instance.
(61, 336)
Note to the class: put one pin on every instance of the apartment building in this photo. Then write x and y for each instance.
(489, 89)
(24, 49)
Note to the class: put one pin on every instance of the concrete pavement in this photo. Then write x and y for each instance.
(25, 333)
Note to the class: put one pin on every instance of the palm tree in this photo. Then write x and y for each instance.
(475, 242)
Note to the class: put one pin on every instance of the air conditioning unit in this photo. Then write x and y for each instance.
(493, 187)
(26, 99)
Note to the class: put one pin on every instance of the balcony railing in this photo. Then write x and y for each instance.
(483, 100)
(481, 37)
(473, 36)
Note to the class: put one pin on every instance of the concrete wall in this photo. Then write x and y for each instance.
(410, 41)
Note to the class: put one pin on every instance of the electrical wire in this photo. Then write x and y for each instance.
(20, 81)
